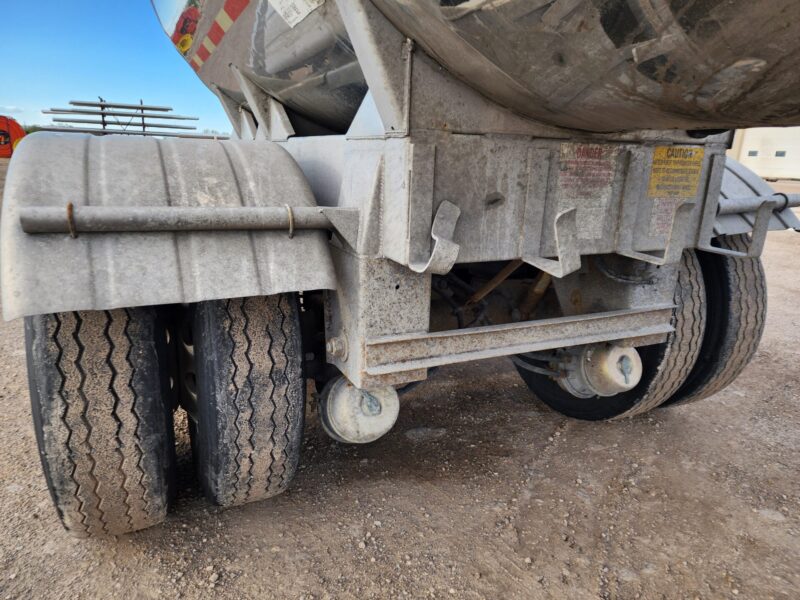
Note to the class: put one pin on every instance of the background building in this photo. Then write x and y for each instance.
(772, 152)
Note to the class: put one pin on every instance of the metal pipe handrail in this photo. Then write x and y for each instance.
(125, 219)
(109, 130)
(734, 206)
(119, 105)
(100, 122)
(114, 113)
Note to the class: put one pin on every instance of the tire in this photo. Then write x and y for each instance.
(248, 421)
(665, 366)
(735, 315)
(102, 415)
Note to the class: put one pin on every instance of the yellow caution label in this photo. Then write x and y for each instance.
(675, 172)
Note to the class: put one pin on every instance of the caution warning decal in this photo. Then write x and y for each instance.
(675, 172)
(674, 179)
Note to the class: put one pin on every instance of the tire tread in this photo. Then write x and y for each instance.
(746, 296)
(683, 344)
(89, 405)
(256, 396)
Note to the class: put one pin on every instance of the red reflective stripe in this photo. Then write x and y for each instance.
(215, 34)
(203, 53)
(234, 8)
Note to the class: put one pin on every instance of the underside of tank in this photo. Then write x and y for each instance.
(594, 65)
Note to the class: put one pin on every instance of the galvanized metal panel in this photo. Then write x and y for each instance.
(53, 272)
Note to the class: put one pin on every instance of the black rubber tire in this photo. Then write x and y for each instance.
(665, 365)
(248, 422)
(736, 311)
(102, 414)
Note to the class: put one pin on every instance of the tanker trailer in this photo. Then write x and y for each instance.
(409, 185)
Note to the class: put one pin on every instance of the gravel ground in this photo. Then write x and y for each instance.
(479, 492)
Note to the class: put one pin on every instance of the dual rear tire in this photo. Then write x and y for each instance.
(247, 425)
(103, 418)
(102, 387)
(719, 315)
(664, 366)
(736, 312)
(102, 391)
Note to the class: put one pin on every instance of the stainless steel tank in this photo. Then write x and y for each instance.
(596, 65)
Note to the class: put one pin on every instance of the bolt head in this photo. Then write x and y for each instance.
(336, 347)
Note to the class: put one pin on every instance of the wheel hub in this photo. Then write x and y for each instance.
(601, 370)
(354, 416)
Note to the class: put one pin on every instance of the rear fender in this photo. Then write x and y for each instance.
(45, 273)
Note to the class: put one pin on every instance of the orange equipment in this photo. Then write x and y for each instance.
(11, 133)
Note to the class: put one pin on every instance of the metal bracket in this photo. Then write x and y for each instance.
(367, 123)
(732, 205)
(388, 75)
(757, 238)
(633, 192)
(445, 250)
(715, 205)
(569, 256)
(273, 124)
(345, 222)
(247, 126)
(231, 108)
(670, 254)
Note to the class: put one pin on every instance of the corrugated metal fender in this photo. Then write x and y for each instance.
(47, 273)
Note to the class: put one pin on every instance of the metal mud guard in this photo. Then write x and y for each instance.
(60, 174)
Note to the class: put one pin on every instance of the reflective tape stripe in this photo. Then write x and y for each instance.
(224, 20)
(215, 34)
(203, 53)
(209, 45)
(234, 8)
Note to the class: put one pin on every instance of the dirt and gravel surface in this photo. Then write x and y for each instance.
(479, 492)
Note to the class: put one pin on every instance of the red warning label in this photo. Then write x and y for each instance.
(585, 177)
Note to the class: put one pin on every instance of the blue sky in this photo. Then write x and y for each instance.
(54, 51)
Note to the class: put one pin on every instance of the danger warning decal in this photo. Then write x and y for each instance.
(674, 179)
(585, 177)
